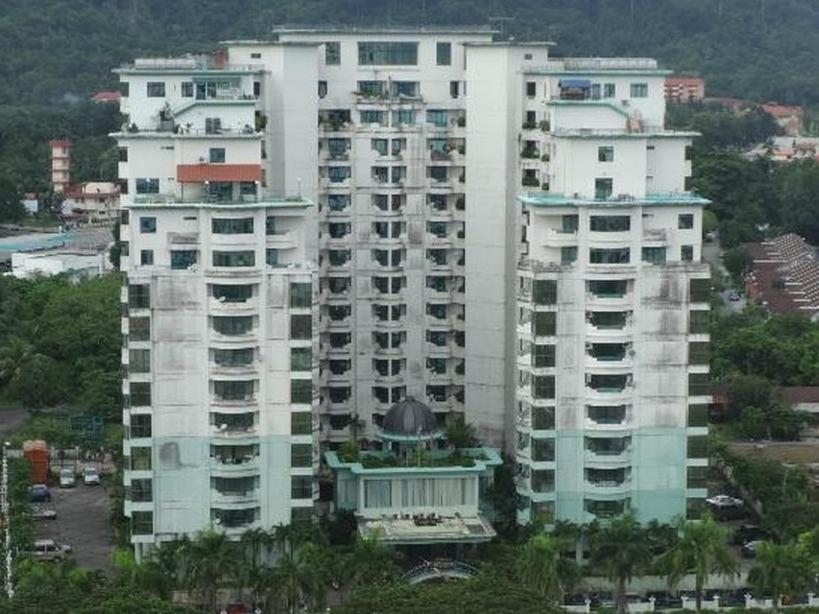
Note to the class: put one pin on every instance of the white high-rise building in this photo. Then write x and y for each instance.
(398, 157)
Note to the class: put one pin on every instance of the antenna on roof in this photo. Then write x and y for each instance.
(501, 21)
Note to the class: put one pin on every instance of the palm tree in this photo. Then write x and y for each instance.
(460, 434)
(620, 548)
(700, 550)
(781, 569)
(253, 571)
(205, 561)
(370, 562)
(301, 578)
(538, 567)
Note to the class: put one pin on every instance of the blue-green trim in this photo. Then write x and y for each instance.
(588, 103)
(549, 199)
(491, 458)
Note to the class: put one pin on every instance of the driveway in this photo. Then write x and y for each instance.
(82, 522)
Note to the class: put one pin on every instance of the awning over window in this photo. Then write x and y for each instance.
(580, 84)
(197, 173)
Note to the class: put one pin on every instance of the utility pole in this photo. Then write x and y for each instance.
(4, 508)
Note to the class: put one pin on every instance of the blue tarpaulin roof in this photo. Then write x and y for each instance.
(576, 83)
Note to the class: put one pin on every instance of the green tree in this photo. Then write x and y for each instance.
(460, 434)
(541, 567)
(738, 262)
(700, 550)
(369, 562)
(206, 560)
(621, 551)
(780, 569)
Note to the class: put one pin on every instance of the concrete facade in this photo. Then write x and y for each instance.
(414, 146)
(612, 351)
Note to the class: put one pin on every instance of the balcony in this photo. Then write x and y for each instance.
(605, 459)
(235, 497)
(234, 466)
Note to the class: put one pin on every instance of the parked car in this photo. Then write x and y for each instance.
(749, 532)
(39, 493)
(734, 297)
(67, 479)
(725, 507)
(90, 476)
(39, 512)
(49, 550)
(749, 549)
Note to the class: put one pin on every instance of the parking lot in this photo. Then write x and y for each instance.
(82, 523)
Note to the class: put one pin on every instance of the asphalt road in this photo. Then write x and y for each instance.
(82, 523)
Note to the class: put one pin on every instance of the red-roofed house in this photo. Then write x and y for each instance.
(106, 96)
(785, 275)
(681, 90)
(788, 117)
(802, 398)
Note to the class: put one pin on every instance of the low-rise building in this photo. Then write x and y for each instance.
(681, 90)
(75, 264)
(95, 201)
(416, 488)
(785, 275)
(790, 118)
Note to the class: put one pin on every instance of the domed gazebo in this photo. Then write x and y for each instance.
(410, 422)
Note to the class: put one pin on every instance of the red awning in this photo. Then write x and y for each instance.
(197, 173)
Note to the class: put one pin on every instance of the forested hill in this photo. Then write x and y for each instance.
(54, 50)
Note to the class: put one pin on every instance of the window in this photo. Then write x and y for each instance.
(140, 394)
(687, 253)
(139, 490)
(543, 418)
(698, 322)
(544, 291)
(698, 415)
(301, 327)
(234, 259)
(403, 116)
(607, 383)
(155, 89)
(301, 359)
(568, 255)
(603, 188)
(322, 89)
(271, 256)
(595, 91)
(609, 90)
(698, 384)
(654, 255)
(543, 386)
(544, 323)
(610, 223)
(543, 356)
(436, 117)
(639, 90)
(233, 358)
(301, 455)
(301, 294)
(122, 155)
(139, 296)
(232, 325)
(139, 329)
(689, 152)
(217, 155)
(140, 426)
(187, 90)
(700, 290)
(443, 54)
(182, 259)
(607, 414)
(301, 487)
(618, 255)
(543, 450)
(231, 293)
(371, 89)
(387, 53)
(685, 221)
(147, 186)
(611, 320)
(338, 174)
(408, 89)
(531, 89)
(608, 288)
(380, 145)
(454, 89)
(141, 458)
(570, 224)
(698, 353)
(698, 446)
(146, 257)
(213, 125)
(232, 226)
(372, 117)
(142, 523)
(697, 477)
(301, 423)
(233, 390)
(332, 54)
(139, 361)
(605, 153)
(124, 89)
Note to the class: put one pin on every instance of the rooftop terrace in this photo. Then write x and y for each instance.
(549, 199)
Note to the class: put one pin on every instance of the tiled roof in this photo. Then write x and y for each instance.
(785, 275)
(801, 394)
(779, 110)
